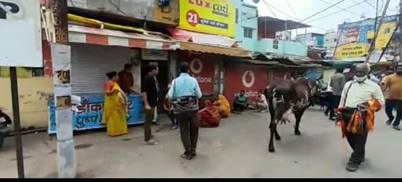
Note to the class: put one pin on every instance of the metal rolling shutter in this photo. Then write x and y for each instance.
(90, 63)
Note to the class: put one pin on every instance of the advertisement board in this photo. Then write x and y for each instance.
(250, 78)
(354, 50)
(202, 68)
(208, 16)
(352, 36)
(20, 33)
(90, 112)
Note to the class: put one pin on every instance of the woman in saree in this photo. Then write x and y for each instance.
(209, 116)
(115, 108)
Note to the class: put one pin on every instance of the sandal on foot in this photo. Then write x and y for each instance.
(352, 167)
(184, 156)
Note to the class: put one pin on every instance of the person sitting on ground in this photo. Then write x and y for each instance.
(223, 106)
(209, 116)
(240, 103)
(261, 104)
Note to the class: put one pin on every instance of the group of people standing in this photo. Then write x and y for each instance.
(183, 96)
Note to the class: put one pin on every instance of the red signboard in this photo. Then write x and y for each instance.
(251, 78)
(202, 67)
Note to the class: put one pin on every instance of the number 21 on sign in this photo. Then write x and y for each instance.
(193, 18)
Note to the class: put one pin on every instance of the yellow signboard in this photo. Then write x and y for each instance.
(208, 16)
(385, 35)
(351, 51)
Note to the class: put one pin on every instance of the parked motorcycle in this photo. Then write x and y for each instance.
(4, 121)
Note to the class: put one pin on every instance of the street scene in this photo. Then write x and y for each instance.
(237, 149)
(200, 88)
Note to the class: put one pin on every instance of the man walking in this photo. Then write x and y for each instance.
(338, 81)
(150, 95)
(393, 83)
(184, 94)
(126, 79)
(360, 99)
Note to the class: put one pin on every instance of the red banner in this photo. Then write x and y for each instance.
(250, 78)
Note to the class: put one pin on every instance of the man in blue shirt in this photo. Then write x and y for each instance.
(184, 94)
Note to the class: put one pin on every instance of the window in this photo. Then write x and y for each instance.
(248, 33)
(335, 40)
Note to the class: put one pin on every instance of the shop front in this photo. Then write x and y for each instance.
(95, 52)
(248, 77)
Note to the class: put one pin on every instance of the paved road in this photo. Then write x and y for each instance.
(238, 148)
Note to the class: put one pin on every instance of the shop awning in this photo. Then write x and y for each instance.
(206, 43)
(229, 51)
(89, 35)
(258, 62)
(200, 38)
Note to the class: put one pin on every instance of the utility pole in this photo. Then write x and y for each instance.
(376, 19)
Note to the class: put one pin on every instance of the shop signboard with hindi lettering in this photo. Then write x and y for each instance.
(352, 36)
(89, 114)
(208, 16)
(20, 33)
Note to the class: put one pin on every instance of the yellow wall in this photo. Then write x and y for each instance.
(33, 94)
(21, 72)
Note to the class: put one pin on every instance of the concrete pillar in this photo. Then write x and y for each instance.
(61, 57)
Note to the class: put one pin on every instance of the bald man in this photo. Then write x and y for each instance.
(355, 97)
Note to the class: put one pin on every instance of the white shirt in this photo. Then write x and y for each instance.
(360, 93)
(263, 100)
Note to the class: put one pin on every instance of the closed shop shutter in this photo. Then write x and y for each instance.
(90, 63)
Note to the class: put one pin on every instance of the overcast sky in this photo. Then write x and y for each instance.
(305, 8)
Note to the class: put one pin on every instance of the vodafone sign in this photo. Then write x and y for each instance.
(202, 68)
(250, 78)
(196, 66)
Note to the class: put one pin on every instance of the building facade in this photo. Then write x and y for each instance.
(210, 47)
(312, 39)
(246, 25)
(331, 40)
